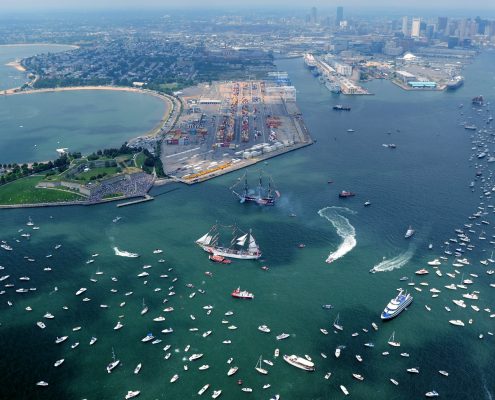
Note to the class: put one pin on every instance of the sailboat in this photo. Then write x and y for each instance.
(263, 196)
(209, 242)
(145, 309)
(113, 364)
(392, 342)
(336, 324)
(259, 368)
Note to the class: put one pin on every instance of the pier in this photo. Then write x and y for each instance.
(147, 197)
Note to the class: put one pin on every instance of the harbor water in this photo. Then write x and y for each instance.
(423, 183)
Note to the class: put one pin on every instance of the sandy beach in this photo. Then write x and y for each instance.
(17, 65)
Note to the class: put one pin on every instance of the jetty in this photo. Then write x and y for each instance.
(147, 197)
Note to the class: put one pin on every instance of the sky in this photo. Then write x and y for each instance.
(123, 4)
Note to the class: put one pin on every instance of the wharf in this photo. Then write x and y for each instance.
(147, 197)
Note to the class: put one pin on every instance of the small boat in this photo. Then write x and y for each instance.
(456, 322)
(259, 368)
(431, 394)
(444, 373)
(58, 362)
(344, 390)
(41, 324)
(247, 389)
(282, 336)
(41, 383)
(367, 203)
(327, 306)
(174, 378)
(216, 393)
(148, 338)
(61, 339)
(242, 294)
(336, 323)
(413, 370)
(195, 357)
(392, 341)
(232, 371)
(118, 326)
(203, 389)
(113, 364)
(219, 259)
(345, 193)
(410, 232)
(131, 394)
(264, 328)
(203, 367)
(422, 271)
(138, 368)
(328, 375)
(337, 352)
(394, 381)
(358, 377)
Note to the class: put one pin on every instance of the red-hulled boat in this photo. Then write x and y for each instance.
(345, 193)
(219, 259)
(242, 294)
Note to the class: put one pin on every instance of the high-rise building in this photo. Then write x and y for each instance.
(416, 27)
(442, 24)
(405, 26)
(340, 15)
(314, 15)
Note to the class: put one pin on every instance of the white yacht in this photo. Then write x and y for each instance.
(138, 368)
(203, 389)
(299, 362)
(131, 394)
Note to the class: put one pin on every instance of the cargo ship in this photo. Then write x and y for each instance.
(455, 83)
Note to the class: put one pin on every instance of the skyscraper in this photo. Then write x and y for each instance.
(405, 26)
(416, 27)
(442, 23)
(314, 15)
(340, 15)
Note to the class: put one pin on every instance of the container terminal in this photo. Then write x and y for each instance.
(225, 126)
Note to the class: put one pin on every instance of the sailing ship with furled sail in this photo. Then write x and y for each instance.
(242, 246)
(262, 195)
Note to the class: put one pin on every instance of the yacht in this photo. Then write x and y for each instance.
(299, 362)
(195, 357)
(396, 305)
(118, 326)
(216, 393)
(413, 370)
(147, 338)
(61, 339)
(41, 324)
(232, 371)
(203, 389)
(456, 322)
(264, 328)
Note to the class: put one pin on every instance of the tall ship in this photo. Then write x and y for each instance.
(455, 83)
(242, 246)
(262, 195)
(478, 101)
(397, 305)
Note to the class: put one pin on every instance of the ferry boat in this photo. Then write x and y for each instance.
(209, 243)
(242, 294)
(345, 193)
(299, 362)
(263, 196)
(396, 305)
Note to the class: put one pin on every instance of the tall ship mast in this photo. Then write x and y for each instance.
(262, 195)
(242, 246)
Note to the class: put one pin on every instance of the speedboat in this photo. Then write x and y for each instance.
(456, 322)
(41, 383)
(264, 328)
(344, 390)
(282, 336)
(61, 339)
(58, 362)
(358, 377)
(421, 271)
(396, 305)
(174, 378)
(431, 394)
(138, 368)
(195, 357)
(112, 365)
(413, 370)
(216, 393)
(232, 371)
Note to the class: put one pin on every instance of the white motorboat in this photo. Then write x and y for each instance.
(131, 394)
(203, 389)
(299, 362)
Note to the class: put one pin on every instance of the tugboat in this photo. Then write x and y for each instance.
(242, 294)
(219, 259)
(345, 193)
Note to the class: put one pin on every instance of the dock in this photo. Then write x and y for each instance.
(147, 197)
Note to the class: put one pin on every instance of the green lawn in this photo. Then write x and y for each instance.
(84, 176)
(140, 157)
(23, 191)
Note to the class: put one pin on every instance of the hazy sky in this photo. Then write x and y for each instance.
(123, 4)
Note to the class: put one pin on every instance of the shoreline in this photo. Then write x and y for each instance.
(17, 65)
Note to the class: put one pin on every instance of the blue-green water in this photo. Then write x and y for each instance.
(423, 183)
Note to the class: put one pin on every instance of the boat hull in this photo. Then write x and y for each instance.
(241, 255)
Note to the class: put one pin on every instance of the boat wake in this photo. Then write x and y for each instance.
(122, 253)
(394, 263)
(344, 229)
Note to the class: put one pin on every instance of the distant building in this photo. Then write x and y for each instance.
(405, 26)
(314, 15)
(343, 69)
(340, 15)
(416, 27)
(442, 24)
